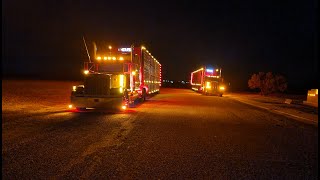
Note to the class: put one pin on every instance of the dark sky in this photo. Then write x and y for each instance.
(44, 38)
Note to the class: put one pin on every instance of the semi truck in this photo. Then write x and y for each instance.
(117, 78)
(208, 81)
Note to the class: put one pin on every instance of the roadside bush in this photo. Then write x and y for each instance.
(267, 82)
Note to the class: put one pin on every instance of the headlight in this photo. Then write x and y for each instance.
(221, 87)
(208, 85)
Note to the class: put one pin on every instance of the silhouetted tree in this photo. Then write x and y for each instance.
(267, 82)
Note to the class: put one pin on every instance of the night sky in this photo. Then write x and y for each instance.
(44, 38)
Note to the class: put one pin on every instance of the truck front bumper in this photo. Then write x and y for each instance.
(97, 102)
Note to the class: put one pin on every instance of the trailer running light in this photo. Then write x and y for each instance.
(105, 58)
(109, 58)
(209, 70)
(133, 73)
(124, 107)
(98, 58)
(70, 106)
(86, 72)
(114, 58)
(197, 70)
(221, 87)
(217, 70)
(120, 58)
(121, 90)
(74, 88)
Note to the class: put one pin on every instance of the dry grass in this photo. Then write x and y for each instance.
(35, 95)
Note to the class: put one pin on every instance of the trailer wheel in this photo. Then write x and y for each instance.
(220, 95)
(143, 98)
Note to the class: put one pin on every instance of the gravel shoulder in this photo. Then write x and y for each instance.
(295, 110)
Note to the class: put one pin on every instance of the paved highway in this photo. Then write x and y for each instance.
(175, 134)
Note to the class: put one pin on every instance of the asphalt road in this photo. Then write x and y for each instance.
(175, 134)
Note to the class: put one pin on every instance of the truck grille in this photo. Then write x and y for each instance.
(97, 84)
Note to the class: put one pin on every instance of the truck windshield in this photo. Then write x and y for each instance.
(111, 67)
(212, 79)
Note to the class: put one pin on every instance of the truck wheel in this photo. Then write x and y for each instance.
(143, 98)
(220, 95)
(132, 104)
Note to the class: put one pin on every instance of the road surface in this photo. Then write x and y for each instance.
(175, 134)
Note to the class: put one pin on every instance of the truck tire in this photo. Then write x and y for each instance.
(144, 94)
(132, 104)
(220, 95)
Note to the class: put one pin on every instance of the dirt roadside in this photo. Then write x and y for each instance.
(296, 109)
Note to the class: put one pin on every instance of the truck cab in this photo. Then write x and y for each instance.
(115, 79)
(207, 80)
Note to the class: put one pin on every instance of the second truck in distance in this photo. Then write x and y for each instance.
(208, 81)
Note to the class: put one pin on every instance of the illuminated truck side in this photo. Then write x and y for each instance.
(116, 78)
(208, 81)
